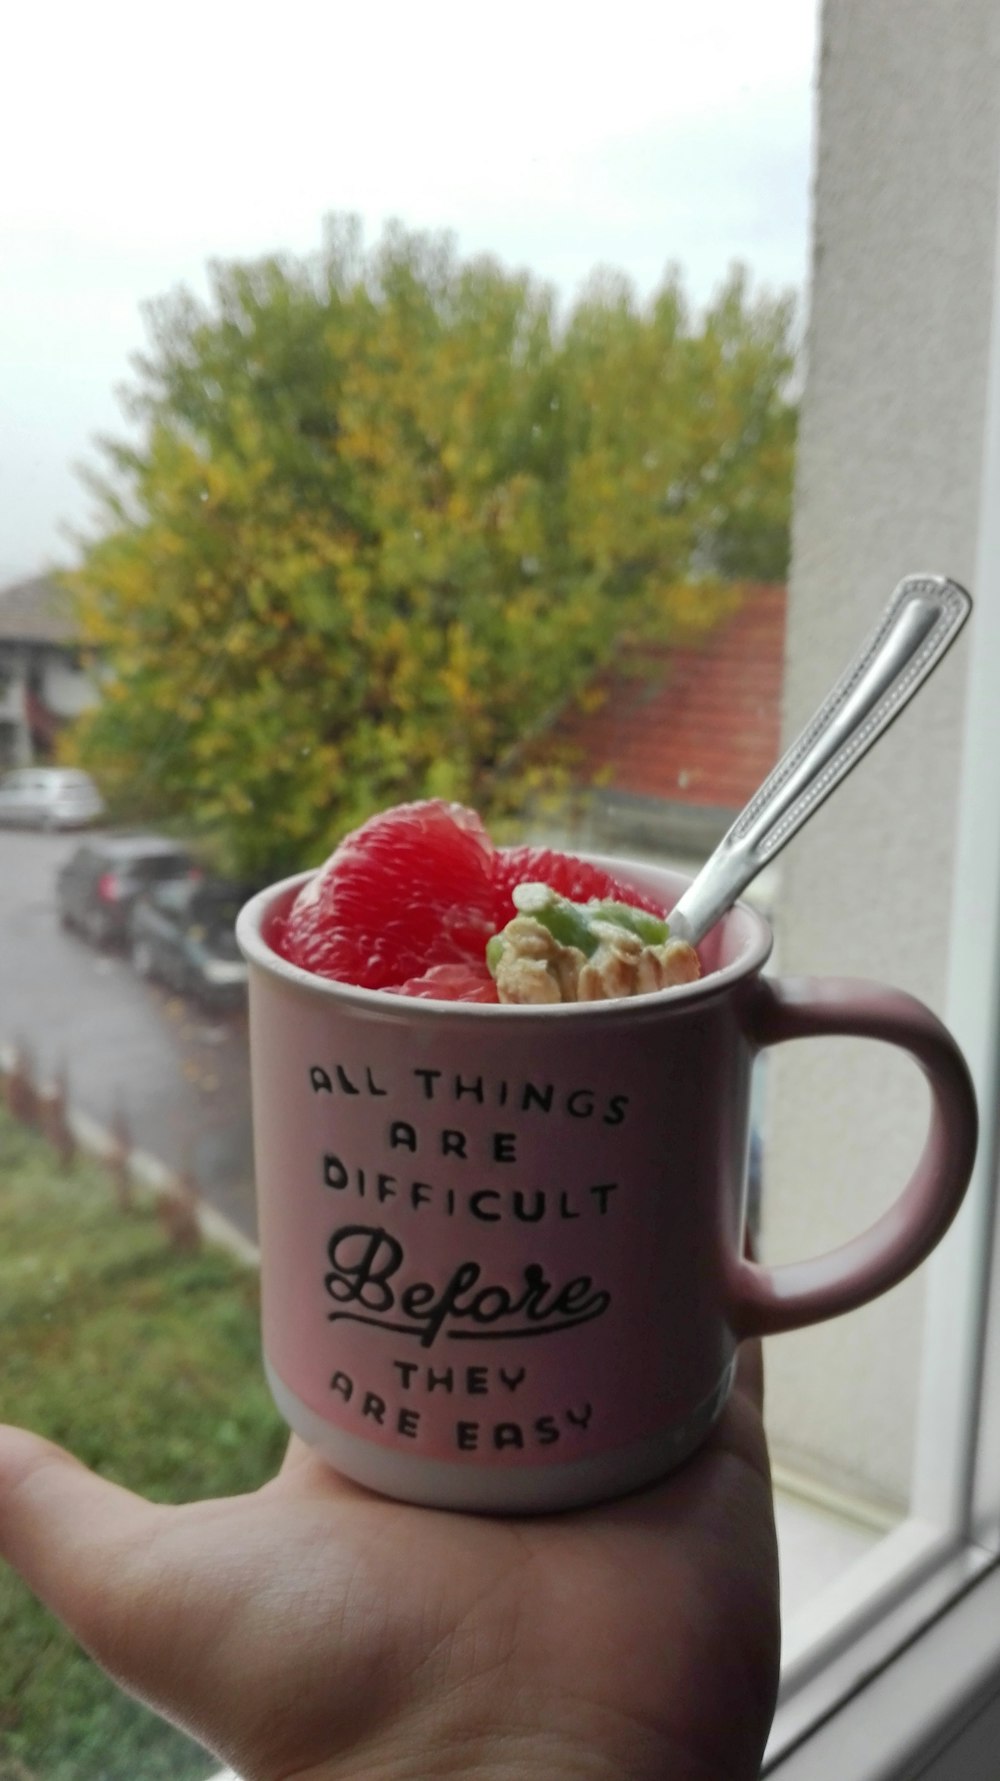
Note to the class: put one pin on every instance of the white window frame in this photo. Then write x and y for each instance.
(884, 1669)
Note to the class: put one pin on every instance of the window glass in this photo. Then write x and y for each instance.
(156, 867)
(173, 896)
(539, 434)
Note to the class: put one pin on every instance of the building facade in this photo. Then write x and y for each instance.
(43, 681)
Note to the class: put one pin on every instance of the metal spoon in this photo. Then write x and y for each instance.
(919, 625)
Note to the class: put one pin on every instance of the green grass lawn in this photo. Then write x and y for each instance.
(145, 1362)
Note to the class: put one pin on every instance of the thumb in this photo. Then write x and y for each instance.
(73, 1537)
(172, 1602)
(116, 1570)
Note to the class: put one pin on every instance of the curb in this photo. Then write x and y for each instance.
(152, 1176)
(159, 1181)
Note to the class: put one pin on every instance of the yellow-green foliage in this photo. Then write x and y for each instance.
(387, 511)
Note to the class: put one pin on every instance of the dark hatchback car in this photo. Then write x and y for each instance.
(182, 933)
(96, 888)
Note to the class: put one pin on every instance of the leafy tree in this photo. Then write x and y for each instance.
(385, 515)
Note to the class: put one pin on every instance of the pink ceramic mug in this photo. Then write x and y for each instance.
(502, 1247)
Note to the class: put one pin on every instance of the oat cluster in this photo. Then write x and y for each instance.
(533, 967)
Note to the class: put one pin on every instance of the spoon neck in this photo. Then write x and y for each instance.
(712, 892)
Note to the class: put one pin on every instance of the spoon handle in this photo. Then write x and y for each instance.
(920, 623)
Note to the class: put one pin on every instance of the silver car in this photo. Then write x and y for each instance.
(49, 798)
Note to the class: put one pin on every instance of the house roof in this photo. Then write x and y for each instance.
(36, 611)
(694, 724)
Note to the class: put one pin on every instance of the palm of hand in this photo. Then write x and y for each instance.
(314, 1630)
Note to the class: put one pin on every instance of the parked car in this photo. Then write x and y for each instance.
(182, 933)
(49, 798)
(96, 888)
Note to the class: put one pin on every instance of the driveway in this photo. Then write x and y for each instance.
(180, 1077)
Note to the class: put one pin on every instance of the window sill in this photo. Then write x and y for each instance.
(903, 1689)
(817, 1544)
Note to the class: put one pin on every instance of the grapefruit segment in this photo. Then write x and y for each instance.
(410, 888)
(452, 983)
(408, 901)
(576, 880)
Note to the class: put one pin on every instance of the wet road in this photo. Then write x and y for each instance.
(179, 1076)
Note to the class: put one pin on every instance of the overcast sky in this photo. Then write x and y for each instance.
(137, 143)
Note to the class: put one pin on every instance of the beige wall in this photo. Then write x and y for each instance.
(888, 483)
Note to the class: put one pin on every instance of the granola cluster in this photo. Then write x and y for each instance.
(531, 965)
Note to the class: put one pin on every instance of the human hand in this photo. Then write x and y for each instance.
(314, 1631)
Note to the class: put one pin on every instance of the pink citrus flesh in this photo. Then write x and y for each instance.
(573, 878)
(408, 901)
(452, 983)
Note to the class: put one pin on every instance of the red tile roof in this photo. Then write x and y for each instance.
(704, 727)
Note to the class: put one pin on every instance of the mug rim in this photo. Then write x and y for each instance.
(260, 954)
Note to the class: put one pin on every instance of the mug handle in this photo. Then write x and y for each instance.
(762, 1300)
